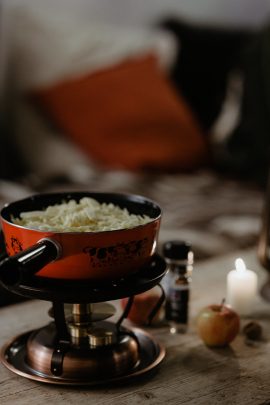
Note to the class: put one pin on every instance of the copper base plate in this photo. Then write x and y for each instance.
(14, 352)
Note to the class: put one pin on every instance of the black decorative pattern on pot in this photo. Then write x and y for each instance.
(120, 252)
(16, 245)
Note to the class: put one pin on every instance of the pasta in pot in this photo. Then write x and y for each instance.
(87, 215)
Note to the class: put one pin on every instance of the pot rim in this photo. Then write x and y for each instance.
(72, 194)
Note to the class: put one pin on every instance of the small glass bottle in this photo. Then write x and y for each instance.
(176, 284)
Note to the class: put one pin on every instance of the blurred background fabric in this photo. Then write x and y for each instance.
(247, 149)
(198, 48)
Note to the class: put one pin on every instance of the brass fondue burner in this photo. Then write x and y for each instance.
(80, 346)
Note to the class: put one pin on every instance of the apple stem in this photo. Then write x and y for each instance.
(222, 302)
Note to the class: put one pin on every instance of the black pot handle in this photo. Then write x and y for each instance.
(15, 269)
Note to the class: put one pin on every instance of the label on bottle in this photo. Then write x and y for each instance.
(176, 307)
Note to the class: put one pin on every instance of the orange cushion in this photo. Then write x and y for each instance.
(127, 116)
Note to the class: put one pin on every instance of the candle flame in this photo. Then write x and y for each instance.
(240, 265)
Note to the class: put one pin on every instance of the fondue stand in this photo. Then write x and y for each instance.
(80, 346)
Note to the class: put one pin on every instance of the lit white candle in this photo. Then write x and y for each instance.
(241, 288)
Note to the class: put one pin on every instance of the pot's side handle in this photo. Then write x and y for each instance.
(264, 237)
(15, 269)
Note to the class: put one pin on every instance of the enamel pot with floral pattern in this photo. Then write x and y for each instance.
(104, 255)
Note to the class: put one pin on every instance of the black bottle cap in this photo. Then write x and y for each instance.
(176, 250)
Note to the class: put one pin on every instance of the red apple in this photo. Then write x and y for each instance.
(218, 325)
(142, 307)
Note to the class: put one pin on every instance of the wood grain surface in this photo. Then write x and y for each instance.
(191, 372)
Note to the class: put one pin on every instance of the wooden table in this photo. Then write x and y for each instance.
(191, 372)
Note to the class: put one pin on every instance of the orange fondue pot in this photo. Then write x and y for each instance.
(100, 256)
